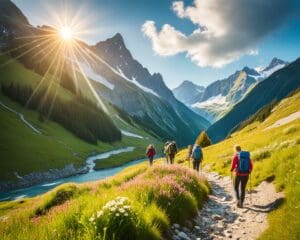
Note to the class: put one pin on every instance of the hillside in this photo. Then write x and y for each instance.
(275, 150)
(25, 151)
(275, 87)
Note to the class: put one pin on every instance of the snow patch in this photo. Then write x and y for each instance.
(129, 134)
(256, 77)
(89, 72)
(135, 82)
(267, 73)
(218, 101)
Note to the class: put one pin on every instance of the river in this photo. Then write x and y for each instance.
(87, 177)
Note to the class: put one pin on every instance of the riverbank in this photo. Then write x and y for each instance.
(34, 178)
(76, 178)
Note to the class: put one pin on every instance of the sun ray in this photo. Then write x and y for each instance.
(44, 77)
(90, 86)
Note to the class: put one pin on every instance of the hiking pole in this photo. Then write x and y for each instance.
(250, 190)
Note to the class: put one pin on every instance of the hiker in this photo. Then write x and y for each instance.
(150, 152)
(242, 165)
(189, 155)
(165, 151)
(197, 156)
(170, 151)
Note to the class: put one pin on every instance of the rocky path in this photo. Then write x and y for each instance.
(221, 219)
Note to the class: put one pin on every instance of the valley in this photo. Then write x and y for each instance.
(97, 142)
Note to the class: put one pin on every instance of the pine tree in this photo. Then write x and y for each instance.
(203, 140)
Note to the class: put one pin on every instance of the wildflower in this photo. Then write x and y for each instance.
(121, 210)
(112, 209)
(92, 219)
(99, 213)
(117, 214)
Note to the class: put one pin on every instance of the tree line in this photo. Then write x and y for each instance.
(80, 116)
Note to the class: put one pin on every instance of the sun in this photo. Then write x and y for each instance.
(66, 33)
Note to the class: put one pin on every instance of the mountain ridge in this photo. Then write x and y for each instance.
(221, 95)
(277, 86)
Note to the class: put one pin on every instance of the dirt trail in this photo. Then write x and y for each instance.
(21, 116)
(221, 219)
(285, 120)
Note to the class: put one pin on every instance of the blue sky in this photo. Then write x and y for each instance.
(107, 17)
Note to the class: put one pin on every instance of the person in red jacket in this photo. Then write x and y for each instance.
(242, 165)
(150, 152)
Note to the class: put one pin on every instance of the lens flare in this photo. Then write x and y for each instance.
(66, 33)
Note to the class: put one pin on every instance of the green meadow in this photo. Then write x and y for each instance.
(275, 153)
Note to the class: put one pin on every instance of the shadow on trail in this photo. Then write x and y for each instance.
(267, 208)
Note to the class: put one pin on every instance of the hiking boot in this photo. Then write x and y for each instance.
(239, 204)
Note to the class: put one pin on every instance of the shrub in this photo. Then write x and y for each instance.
(121, 219)
(56, 197)
(116, 220)
(203, 140)
(157, 218)
(261, 154)
(176, 190)
(291, 129)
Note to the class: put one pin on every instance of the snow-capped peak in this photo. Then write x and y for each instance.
(274, 66)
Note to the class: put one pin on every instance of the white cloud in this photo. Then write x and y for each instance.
(224, 29)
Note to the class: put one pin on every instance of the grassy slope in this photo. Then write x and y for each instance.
(158, 196)
(275, 153)
(24, 151)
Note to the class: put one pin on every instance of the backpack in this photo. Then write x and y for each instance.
(171, 149)
(243, 162)
(197, 153)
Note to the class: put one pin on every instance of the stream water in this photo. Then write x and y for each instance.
(90, 176)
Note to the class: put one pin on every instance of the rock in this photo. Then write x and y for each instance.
(183, 235)
(245, 210)
(185, 229)
(176, 226)
(216, 217)
(177, 231)
(241, 219)
(175, 237)
(197, 228)
(259, 219)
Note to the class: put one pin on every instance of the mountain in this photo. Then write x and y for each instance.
(187, 91)
(274, 65)
(220, 96)
(117, 78)
(116, 54)
(274, 88)
(143, 96)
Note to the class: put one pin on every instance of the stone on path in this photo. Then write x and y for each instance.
(182, 235)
